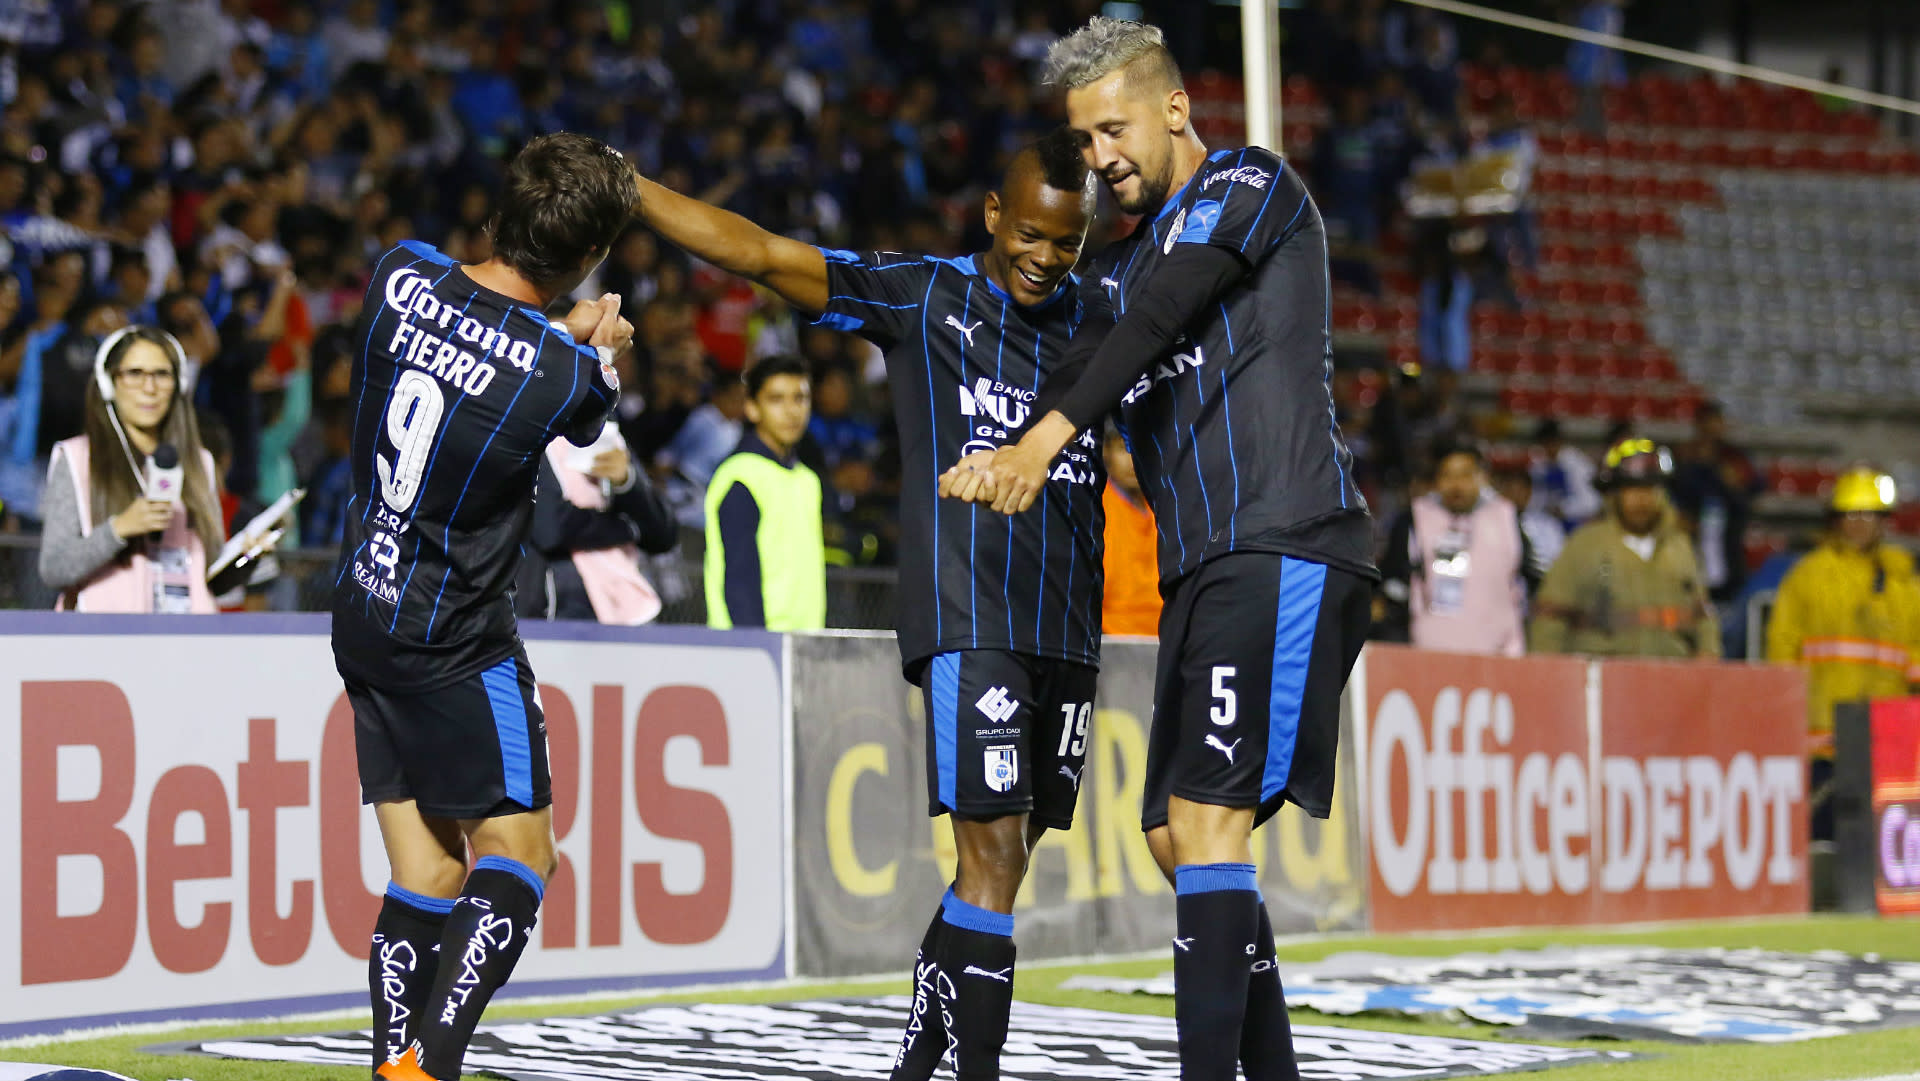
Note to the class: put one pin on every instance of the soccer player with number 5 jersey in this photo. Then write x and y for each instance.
(461, 383)
(1207, 329)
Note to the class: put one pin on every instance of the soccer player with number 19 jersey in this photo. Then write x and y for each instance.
(999, 617)
(461, 383)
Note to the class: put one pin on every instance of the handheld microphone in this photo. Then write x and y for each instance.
(165, 478)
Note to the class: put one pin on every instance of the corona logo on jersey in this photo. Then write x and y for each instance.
(411, 294)
(1496, 795)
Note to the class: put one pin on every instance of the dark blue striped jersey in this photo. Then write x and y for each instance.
(457, 391)
(1232, 430)
(964, 365)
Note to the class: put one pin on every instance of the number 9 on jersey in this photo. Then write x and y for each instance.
(413, 420)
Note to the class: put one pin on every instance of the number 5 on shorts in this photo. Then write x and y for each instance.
(1226, 708)
(1073, 729)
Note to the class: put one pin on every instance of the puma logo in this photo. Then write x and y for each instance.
(1109, 283)
(1005, 975)
(965, 330)
(1182, 944)
(1069, 774)
(1224, 748)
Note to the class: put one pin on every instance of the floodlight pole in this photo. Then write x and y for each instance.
(1260, 68)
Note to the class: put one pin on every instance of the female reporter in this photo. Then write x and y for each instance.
(131, 514)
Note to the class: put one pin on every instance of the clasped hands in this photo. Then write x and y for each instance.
(1008, 479)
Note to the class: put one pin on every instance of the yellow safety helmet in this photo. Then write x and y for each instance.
(1635, 462)
(1866, 490)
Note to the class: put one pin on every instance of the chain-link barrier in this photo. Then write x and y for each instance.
(857, 597)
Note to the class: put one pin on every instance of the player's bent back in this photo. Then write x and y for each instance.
(459, 390)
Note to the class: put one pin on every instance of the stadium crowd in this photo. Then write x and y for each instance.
(229, 170)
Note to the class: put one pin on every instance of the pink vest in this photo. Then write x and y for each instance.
(1475, 606)
(617, 590)
(128, 586)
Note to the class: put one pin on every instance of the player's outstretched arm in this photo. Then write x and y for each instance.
(796, 271)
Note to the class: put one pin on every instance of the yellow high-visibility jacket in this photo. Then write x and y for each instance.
(1853, 620)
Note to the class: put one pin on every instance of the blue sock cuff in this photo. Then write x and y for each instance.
(973, 918)
(515, 868)
(432, 906)
(1214, 877)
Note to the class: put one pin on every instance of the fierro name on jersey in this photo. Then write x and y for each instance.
(441, 355)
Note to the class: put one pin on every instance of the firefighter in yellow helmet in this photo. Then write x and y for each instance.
(1628, 583)
(1850, 609)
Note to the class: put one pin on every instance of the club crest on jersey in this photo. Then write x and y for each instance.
(1003, 767)
(1173, 232)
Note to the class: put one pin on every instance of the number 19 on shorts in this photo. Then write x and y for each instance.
(1074, 719)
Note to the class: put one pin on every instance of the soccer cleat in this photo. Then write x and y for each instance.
(405, 1068)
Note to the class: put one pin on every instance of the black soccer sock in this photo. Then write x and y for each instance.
(401, 966)
(976, 962)
(1266, 1037)
(485, 934)
(924, 1043)
(1218, 906)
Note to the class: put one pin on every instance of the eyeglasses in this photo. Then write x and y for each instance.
(152, 379)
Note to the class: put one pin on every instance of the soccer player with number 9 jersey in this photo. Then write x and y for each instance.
(461, 383)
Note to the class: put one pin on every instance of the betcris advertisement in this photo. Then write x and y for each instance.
(185, 836)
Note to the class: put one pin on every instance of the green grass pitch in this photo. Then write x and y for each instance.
(1868, 1055)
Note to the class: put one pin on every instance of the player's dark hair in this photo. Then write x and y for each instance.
(566, 196)
(1061, 164)
(768, 367)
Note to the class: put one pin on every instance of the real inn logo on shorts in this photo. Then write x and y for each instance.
(997, 705)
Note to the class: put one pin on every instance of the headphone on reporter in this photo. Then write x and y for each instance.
(104, 378)
(163, 479)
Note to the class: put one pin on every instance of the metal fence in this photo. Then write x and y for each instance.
(857, 597)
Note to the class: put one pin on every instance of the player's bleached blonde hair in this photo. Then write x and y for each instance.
(1104, 46)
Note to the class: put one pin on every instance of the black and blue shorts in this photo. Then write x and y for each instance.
(1007, 733)
(1255, 649)
(474, 749)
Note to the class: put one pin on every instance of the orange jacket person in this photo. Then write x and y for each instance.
(1132, 601)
